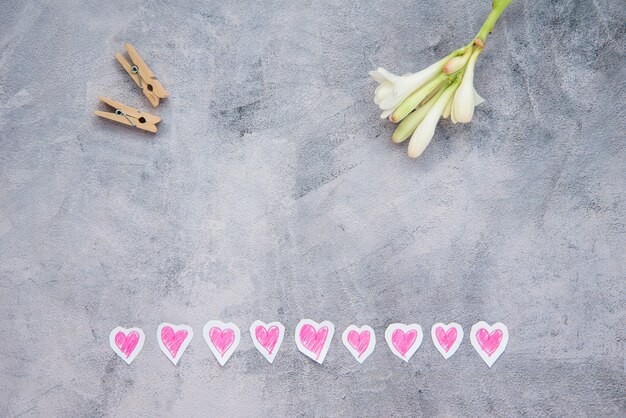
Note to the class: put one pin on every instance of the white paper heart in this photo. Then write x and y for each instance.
(489, 340)
(222, 338)
(447, 338)
(404, 340)
(360, 341)
(314, 339)
(267, 338)
(173, 340)
(127, 343)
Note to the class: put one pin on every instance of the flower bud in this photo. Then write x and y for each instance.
(456, 63)
(408, 125)
(463, 106)
(425, 131)
(414, 99)
(448, 109)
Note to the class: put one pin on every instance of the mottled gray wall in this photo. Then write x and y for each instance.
(272, 191)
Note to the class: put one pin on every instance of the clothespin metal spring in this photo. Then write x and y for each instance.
(120, 112)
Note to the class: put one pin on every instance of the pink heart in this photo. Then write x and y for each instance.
(127, 343)
(489, 342)
(359, 342)
(222, 340)
(446, 339)
(403, 341)
(173, 340)
(313, 340)
(267, 338)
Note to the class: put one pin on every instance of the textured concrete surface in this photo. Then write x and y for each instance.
(273, 191)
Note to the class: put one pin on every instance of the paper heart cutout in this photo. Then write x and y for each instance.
(404, 340)
(447, 338)
(314, 339)
(360, 341)
(222, 338)
(127, 343)
(489, 341)
(267, 338)
(173, 340)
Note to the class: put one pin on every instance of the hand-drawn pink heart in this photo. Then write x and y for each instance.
(489, 342)
(127, 343)
(359, 342)
(446, 339)
(267, 338)
(403, 341)
(173, 340)
(221, 339)
(313, 340)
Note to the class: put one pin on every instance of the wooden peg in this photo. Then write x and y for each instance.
(142, 75)
(129, 116)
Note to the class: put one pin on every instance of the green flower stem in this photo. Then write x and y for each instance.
(498, 8)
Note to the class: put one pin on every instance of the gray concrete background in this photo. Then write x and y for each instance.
(273, 191)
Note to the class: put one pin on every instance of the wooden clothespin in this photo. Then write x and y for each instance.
(129, 116)
(142, 76)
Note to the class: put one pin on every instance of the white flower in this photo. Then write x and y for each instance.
(466, 98)
(426, 129)
(393, 89)
(445, 89)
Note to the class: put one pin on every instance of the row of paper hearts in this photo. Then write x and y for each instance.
(313, 339)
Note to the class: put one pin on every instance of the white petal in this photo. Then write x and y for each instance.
(405, 85)
(377, 77)
(477, 99)
(387, 113)
(383, 91)
(381, 75)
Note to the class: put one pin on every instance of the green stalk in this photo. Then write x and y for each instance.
(496, 11)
